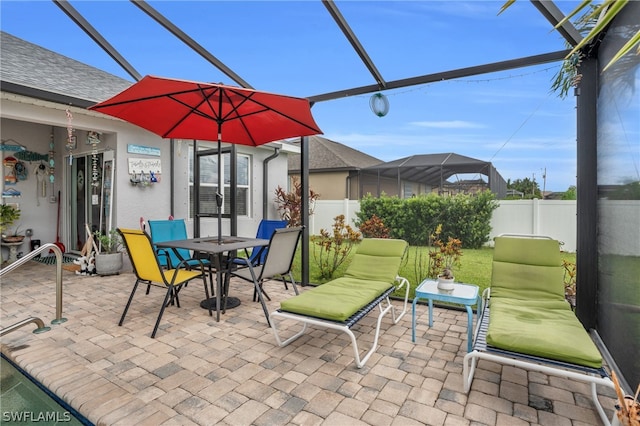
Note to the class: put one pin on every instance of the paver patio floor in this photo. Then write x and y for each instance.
(198, 371)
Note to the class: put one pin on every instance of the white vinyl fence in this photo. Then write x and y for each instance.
(554, 218)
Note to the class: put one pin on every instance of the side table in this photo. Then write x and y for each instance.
(462, 294)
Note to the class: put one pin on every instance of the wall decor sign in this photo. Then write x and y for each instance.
(4, 147)
(93, 137)
(145, 165)
(145, 150)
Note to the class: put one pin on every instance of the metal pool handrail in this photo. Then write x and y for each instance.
(24, 259)
(37, 321)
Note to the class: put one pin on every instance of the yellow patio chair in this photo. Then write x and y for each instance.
(148, 270)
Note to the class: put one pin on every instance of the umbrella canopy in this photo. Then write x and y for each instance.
(182, 109)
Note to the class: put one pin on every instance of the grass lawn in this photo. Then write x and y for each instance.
(475, 267)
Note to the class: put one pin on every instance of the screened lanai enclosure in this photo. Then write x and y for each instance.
(608, 160)
(432, 171)
(608, 256)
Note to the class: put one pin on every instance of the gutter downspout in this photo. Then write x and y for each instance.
(265, 183)
(348, 187)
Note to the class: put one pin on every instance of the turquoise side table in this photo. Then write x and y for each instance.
(462, 294)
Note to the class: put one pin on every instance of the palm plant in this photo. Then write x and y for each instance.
(603, 13)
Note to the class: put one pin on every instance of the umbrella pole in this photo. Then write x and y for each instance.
(219, 196)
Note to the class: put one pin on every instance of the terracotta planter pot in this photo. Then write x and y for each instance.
(13, 239)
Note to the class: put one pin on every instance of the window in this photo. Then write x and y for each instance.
(408, 190)
(209, 184)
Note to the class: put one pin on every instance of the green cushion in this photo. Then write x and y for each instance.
(372, 271)
(527, 281)
(547, 329)
(377, 259)
(528, 251)
(527, 268)
(336, 300)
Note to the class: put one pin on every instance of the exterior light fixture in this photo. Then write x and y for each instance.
(379, 104)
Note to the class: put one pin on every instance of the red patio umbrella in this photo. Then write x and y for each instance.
(182, 109)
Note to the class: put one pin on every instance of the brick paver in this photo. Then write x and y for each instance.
(197, 371)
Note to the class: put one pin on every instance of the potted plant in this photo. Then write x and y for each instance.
(627, 410)
(109, 256)
(8, 215)
(442, 258)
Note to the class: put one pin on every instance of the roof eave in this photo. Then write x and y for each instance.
(44, 95)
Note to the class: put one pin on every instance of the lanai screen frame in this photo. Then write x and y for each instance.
(547, 8)
(587, 187)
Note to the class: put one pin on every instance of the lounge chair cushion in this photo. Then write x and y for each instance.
(375, 261)
(526, 282)
(526, 269)
(372, 271)
(547, 329)
(336, 300)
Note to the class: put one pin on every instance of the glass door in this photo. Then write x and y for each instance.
(90, 189)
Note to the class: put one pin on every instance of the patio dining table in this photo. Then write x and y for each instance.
(216, 251)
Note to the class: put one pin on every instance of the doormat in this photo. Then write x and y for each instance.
(51, 260)
(71, 267)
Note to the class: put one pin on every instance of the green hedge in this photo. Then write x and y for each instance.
(466, 217)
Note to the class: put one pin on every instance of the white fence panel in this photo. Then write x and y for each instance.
(554, 218)
(326, 210)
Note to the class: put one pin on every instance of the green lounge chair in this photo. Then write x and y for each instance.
(526, 321)
(339, 304)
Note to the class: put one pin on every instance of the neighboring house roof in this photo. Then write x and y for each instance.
(31, 70)
(327, 155)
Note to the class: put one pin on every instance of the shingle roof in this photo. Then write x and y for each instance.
(325, 154)
(28, 68)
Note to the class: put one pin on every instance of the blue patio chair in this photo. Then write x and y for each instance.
(266, 228)
(170, 230)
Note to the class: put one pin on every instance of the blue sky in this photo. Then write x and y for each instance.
(293, 47)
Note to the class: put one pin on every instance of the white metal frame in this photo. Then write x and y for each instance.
(471, 360)
(360, 362)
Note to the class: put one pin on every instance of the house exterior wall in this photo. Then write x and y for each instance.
(30, 122)
(330, 185)
(40, 218)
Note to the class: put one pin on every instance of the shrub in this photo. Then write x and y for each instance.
(374, 228)
(569, 281)
(463, 217)
(335, 247)
(289, 204)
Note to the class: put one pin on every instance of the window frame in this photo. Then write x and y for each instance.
(241, 187)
